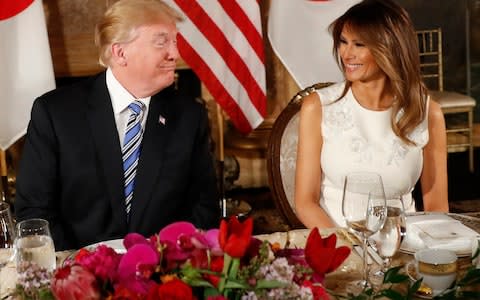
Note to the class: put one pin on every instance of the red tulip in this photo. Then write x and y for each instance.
(321, 254)
(74, 282)
(216, 265)
(318, 291)
(234, 237)
(172, 290)
(122, 293)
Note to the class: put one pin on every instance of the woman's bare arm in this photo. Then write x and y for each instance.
(434, 174)
(308, 173)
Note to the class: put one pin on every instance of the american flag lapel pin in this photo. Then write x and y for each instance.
(161, 120)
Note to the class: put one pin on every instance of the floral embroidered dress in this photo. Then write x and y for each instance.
(356, 139)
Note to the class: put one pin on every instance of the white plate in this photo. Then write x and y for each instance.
(116, 245)
(412, 242)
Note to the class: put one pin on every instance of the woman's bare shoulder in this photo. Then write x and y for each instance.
(434, 111)
(311, 102)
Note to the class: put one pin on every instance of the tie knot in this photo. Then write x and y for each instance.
(136, 106)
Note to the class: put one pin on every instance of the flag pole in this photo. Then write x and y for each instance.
(221, 163)
(4, 176)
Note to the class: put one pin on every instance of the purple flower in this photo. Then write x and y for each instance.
(211, 236)
(133, 239)
(136, 267)
(177, 238)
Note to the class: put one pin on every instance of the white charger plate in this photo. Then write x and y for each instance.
(116, 245)
(412, 244)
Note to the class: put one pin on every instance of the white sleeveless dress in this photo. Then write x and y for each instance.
(356, 139)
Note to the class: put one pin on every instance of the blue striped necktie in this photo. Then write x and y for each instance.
(131, 150)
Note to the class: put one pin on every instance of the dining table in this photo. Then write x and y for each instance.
(338, 281)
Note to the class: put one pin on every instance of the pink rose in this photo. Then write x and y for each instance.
(74, 282)
(102, 262)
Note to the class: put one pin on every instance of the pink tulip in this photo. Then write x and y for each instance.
(74, 282)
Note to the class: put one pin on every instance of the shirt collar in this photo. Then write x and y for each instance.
(121, 98)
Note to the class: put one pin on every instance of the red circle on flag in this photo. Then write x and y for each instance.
(10, 8)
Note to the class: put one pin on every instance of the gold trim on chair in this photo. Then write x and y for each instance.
(457, 108)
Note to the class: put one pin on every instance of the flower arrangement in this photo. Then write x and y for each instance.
(182, 262)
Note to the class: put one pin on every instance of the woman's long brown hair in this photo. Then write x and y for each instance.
(387, 31)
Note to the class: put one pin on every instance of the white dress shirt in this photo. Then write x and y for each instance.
(121, 98)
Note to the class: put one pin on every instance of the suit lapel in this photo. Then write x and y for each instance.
(104, 131)
(154, 142)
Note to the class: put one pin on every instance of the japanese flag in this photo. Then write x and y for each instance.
(26, 65)
(298, 32)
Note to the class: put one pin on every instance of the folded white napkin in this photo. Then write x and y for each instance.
(440, 231)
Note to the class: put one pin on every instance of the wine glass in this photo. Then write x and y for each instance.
(364, 209)
(7, 234)
(387, 241)
(34, 244)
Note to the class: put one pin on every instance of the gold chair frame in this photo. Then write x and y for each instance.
(459, 133)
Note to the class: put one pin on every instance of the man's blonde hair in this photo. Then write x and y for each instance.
(120, 22)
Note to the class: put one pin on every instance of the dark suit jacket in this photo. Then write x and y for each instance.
(71, 167)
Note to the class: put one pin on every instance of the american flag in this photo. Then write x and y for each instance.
(221, 40)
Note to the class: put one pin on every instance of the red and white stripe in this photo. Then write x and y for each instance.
(221, 40)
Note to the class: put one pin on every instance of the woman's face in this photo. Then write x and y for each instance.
(358, 62)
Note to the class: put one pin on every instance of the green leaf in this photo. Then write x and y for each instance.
(199, 282)
(45, 294)
(469, 295)
(414, 288)
(210, 292)
(232, 273)
(369, 291)
(392, 275)
(391, 294)
(471, 277)
(270, 284)
(235, 284)
(227, 261)
(447, 295)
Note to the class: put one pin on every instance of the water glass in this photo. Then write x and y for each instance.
(7, 233)
(34, 244)
(364, 209)
(387, 241)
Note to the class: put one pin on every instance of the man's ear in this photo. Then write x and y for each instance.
(118, 54)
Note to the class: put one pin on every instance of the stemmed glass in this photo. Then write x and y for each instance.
(388, 240)
(364, 209)
(7, 234)
(34, 244)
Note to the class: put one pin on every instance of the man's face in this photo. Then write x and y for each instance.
(151, 59)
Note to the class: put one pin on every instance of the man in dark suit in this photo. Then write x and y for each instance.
(72, 167)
